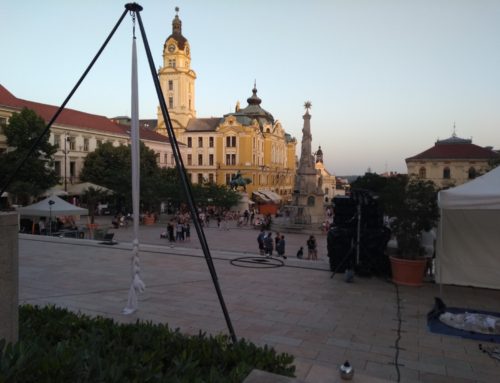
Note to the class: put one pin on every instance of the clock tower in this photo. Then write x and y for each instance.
(177, 81)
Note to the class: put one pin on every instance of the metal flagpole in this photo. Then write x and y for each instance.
(137, 285)
(136, 8)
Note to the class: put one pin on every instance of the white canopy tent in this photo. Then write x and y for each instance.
(468, 251)
(44, 208)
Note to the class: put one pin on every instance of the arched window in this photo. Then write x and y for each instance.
(472, 173)
(422, 173)
(446, 173)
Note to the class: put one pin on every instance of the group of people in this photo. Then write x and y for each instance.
(177, 230)
(267, 245)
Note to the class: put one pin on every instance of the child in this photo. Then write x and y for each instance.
(300, 253)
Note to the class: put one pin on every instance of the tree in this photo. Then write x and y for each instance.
(37, 174)
(91, 197)
(210, 193)
(111, 166)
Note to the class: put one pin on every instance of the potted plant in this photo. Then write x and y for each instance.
(415, 210)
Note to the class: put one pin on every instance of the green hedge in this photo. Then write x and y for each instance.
(57, 345)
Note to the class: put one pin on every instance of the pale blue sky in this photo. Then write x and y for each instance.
(385, 78)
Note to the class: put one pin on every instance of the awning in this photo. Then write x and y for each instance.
(261, 197)
(267, 196)
(275, 197)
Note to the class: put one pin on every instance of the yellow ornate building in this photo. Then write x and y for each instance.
(249, 140)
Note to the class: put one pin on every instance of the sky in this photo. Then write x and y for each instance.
(386, 78)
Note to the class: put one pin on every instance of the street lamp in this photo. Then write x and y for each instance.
(50, 216)
(66, 140)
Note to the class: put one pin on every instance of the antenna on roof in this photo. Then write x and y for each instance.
(454, 130)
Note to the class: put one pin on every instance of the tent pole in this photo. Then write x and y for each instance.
(440, 247)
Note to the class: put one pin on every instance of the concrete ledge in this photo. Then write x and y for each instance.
(259, 376)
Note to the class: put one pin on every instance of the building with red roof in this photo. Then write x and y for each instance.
(78, 133)
(452, 162)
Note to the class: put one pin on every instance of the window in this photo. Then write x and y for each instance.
(190, 142)
(310, 201)
(171, 63)
(230, 159)
(472, 173)
(170, 102)
(200, 142)
(158, 159)
(170, 85)
(422, 172)
(211, 142)
(446, 173)
(72, 170)
(231, 142)
(57, 167)
(211, 159)
(85, 144)
(228, 178)
(3, 124)
(200, 178)
(200, 159)
(71, 141)
(98, 143)
(57, 140)
(211, 178)
(190, 159)
(165, 158)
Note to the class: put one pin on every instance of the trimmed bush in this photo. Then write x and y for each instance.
(56, 345)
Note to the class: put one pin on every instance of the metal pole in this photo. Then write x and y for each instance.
(134, 7)
(65, 163)
(358, 241)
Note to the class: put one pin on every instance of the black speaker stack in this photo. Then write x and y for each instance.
(342, 237)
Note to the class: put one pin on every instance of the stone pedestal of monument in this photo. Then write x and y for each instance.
(9, 277)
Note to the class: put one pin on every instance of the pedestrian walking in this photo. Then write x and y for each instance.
(280, 246)
(312, 249)
(268, 244)
(260, 241)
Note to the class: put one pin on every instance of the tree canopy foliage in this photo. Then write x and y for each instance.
(37, 173)
(110, 166)
(410, 201)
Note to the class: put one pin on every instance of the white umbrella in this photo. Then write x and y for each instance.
(55, 190)
(79, 189)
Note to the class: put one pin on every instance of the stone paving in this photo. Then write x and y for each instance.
(296, 308)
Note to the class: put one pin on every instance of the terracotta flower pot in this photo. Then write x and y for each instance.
(408, 272)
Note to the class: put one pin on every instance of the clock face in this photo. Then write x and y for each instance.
(171, 48)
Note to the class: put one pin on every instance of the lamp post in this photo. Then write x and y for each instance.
(50, 216)
(66, 140)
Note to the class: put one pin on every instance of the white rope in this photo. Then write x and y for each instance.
(137, 285)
